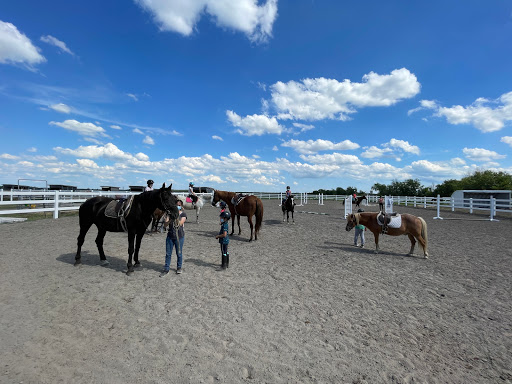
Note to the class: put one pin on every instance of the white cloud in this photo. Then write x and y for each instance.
(245, 16)
(148, 140)
(403, 145)
(424, 104)
(87, 163)
(333, 158)
(56, 42)
(8, 156)
(16, 48)
(321, 98)
(255, 124)
(62, 108)
(132, 96)
(85, 129)
(137, 130)
(215, 137)
(485, 115)
(507, 140)
(142, 156)
(108, 151)
(32, 149)
(314, 146)
(303, 127)
(375, 152)
(113, 126)
(480, 154)
(274, 148)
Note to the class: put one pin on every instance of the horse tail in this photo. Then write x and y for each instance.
(424, 232)
(259, 215)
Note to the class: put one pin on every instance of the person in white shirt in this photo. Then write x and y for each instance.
(150, 185)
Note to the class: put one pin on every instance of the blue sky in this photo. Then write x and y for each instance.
(247, 95)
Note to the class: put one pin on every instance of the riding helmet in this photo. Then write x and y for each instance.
(288, 187)
(225, 215)
(191, 183)
(150, 182)
(222, 204)
(359, 210)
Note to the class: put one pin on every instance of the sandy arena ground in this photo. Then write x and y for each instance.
(300, 305)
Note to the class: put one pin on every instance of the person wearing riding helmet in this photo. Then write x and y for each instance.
(222, 205)
(150, 185)
(191, 193)
(288, 194)
(224, 238)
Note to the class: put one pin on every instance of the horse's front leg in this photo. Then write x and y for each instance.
(293, 220)
(413, 243)
(238, 222)
(284, 212)
(138, 240)
(197, 214)
(131, 239)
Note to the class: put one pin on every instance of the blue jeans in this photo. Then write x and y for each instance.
(359, 232)
(169, 245)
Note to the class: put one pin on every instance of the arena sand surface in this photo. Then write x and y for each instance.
(300, 305)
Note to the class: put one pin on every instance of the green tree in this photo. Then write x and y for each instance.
(447, 188)
(487, 180)
(381, 189)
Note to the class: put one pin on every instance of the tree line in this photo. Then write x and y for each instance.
(479, 180)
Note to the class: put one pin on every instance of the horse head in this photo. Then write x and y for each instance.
(351, 222)
(215, 198)
(168, 202)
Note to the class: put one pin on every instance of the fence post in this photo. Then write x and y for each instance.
(2, 194)
(470, 205)
(493, 208)
(453, 203)
(56, 205)
(438, 208)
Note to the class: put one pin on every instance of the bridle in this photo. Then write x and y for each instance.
(167, 208)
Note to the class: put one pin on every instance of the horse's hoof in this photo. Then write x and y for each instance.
(137, 265)
(425, 256)
(129, 273)
(77, 262)
(104, 263)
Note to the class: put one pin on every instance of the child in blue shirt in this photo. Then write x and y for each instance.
(224, 238)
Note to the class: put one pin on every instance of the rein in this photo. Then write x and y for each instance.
(167, 208)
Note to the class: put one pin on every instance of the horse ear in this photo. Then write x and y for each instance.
(169, 188)
(163, 185)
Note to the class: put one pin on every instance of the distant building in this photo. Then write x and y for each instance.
(109, 188)
(136, 188)
(59, 187)
(9, 187)
(462, 197)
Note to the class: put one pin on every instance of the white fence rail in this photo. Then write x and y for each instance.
(22, 202)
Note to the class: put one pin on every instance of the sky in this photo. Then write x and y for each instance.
(247, 95)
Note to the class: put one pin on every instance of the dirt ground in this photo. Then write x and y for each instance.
(299, 305)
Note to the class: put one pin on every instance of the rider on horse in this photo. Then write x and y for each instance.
(288, 194)
(191, 193)
(150, 185)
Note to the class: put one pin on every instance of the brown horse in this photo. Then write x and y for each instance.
(360, 199)
(249, 206)
(412, 226)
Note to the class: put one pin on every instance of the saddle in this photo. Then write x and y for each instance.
(237, 199)
(389, 220)
(119, 208)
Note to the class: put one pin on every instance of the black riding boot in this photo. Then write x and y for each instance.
(227, 260)
(223, 266)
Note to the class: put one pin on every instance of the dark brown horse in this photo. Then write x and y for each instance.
(136, 222)
(360, 199)
(288, 205)
(414, 227)
(249, 206)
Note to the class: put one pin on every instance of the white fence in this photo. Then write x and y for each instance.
(21, 202)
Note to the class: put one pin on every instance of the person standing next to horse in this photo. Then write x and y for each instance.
(175, 239)
(360, 228)
(224, 238)
(192, 194)
(381, 204)
(150, 186)
(222, 205)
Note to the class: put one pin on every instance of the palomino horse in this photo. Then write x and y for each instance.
(414, 227)
(135, 222)
(288, 206)
(249, 206)
(159, 215)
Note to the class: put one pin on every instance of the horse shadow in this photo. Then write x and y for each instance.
(370, 250)
(116, 263)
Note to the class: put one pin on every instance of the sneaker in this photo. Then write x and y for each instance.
(178, 271)
(362, 245)
(355, 245)
(164, 273)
